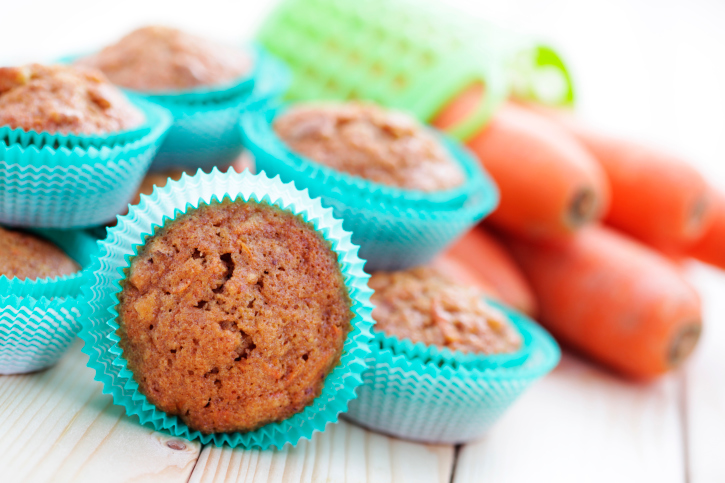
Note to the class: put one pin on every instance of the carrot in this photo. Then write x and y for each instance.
(550, 186)
(613, 299)
(656, 197)
(460, 272)
(710, 248)
(483, 255)
(242, 162)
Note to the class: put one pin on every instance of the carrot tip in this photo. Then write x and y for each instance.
(583, 207)
(684, 343)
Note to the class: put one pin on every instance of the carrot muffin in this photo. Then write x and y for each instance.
(423, 305)
(25, 256)
(365, 140)
(156, 58)
(63, 99)
(232, 315)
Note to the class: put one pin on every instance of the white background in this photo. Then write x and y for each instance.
(652, 69)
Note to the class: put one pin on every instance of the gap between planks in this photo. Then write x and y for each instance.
(343, 453)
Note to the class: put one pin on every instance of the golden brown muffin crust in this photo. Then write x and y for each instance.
(157, 58)
(233, 315)
(26, 256)
(423, 305)
(63, 99)
(364, 140)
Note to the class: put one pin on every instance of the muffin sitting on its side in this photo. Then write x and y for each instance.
(25, 256)
(364, 140)
(62, 99)
(232, 315)
(156, 59)
(423, 305)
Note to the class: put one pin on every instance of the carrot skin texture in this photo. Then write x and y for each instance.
(460, 272)
(656, 197)
(484, 255)
(540, 169)
(612, 299)
(710, 248)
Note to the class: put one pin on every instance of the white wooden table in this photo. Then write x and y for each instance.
(649, 69)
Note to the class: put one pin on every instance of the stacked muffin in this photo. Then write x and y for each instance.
(403, 190)
(206, 85)
(445, 362)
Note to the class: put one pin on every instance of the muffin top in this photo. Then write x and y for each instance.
(232, 315)
(157, 58)
(384, 146)
(25, 256)
(423, 305)
(63, 99)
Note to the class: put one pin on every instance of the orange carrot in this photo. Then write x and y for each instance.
(711, 247)
(242, 162)
(550, 186)
(656, 197)
(483, 255)
(613, 299)
(462, 273)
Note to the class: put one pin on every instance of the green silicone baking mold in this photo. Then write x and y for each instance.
(401, 54)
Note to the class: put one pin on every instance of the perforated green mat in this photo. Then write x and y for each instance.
(407, 54)
(397, 53)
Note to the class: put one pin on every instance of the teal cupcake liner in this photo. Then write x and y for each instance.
(418, 398)
(439, 356)
(203, 136)
(394, 228)
(205, 133)
(66, 187)
(39, 319)
(24, 138)
(122, 243)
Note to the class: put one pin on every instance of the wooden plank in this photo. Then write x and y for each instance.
(705, 396)
(57, 426)
(582, 424)
(343, 453)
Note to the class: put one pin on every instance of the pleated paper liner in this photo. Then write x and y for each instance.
(411, 55)
(395, 228)
(421, 398)
(63, 187)
(205, 133)
(123, 242)
(23, 138)
(40, 318)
